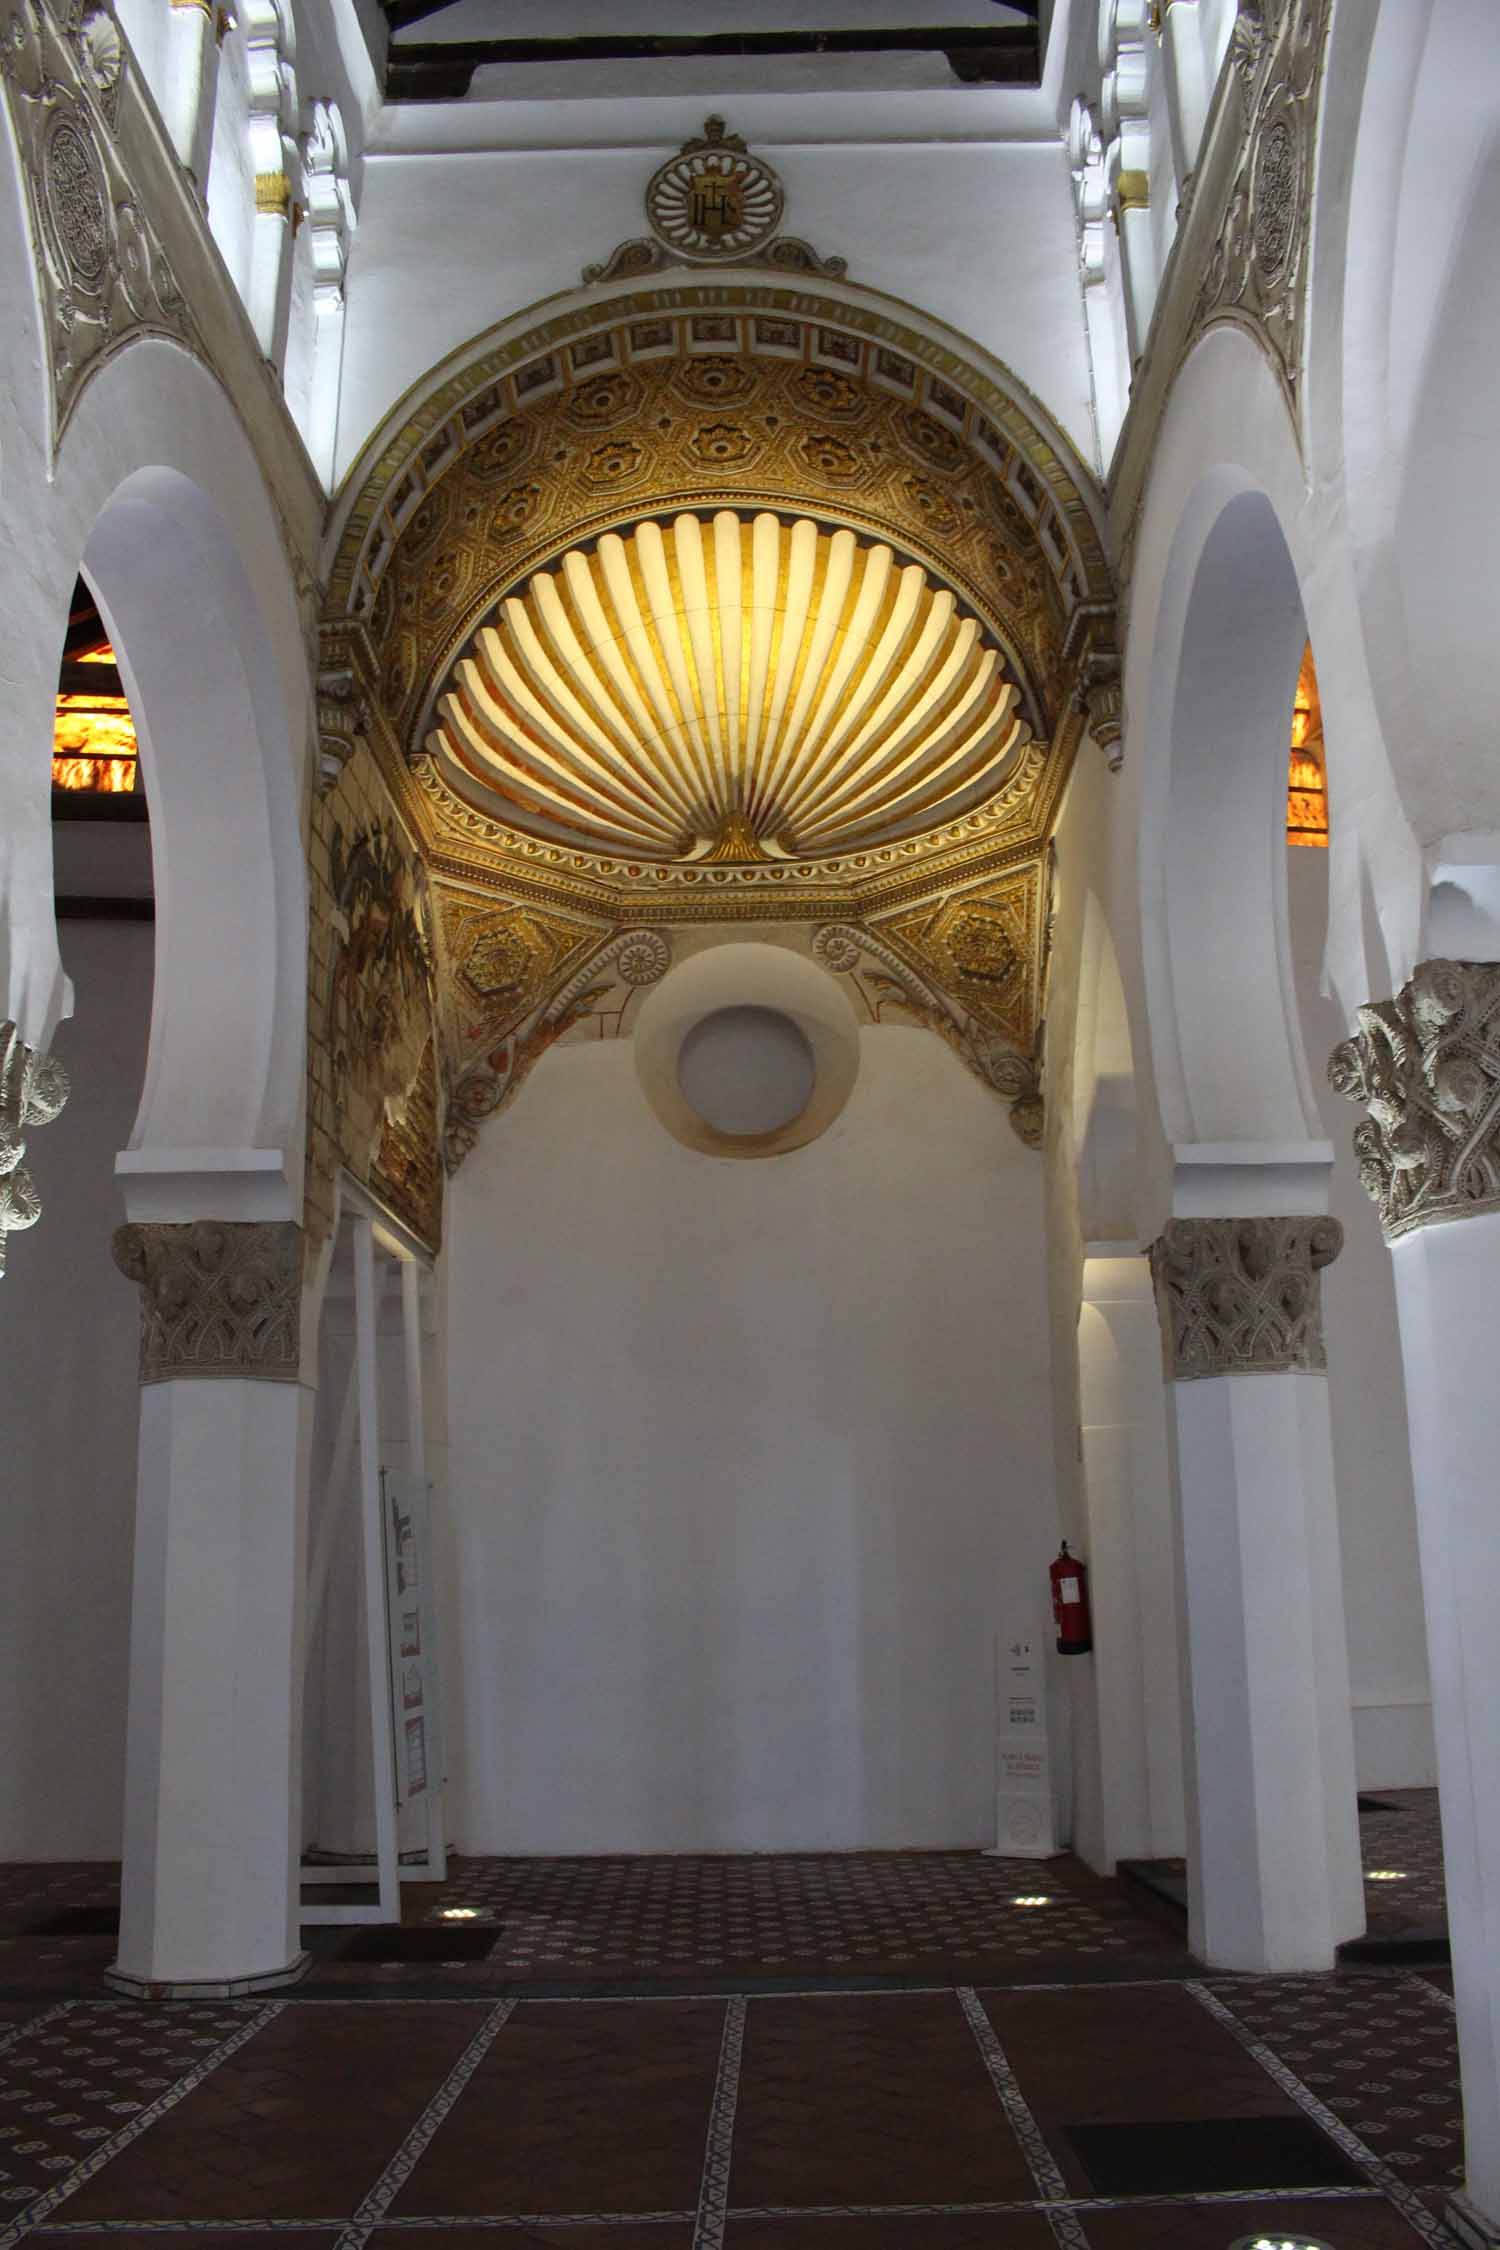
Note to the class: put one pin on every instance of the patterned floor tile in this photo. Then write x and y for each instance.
(869, 2100)
(1380, 2051)
(579, 2107)
(297, 2125)
(945, 2231)
(1363, 2225)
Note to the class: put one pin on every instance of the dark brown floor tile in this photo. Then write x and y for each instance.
(869, 2099)
(674, 2235)
(1121, 2055)
(206, 2238)
(951, 2231)
(300, 2123)
(1442, 1978)
(1363, 2225)
(579, 2106)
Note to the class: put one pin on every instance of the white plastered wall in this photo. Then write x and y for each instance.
(746, 1460)
(980, 236)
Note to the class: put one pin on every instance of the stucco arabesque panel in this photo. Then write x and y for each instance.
(121, 248)
(1241, 251)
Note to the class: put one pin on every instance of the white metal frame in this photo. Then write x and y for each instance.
(359, 1430)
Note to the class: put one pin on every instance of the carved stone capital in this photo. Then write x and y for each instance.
(220, 1298)
(1242, 1296)
(1427, 1067)
(33, 1089)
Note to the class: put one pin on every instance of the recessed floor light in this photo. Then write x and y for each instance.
(1385, 1874)
(1279, 2242)
(1031, 1901)
(460, 1914)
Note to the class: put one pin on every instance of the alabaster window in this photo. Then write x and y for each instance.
(93, 735)
(1307, 781)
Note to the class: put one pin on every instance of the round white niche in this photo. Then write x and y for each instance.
(747, 1050)
(746, 1070)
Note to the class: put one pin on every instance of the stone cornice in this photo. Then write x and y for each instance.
(219, 1299)
(1427, 1067)
(1243, 1296)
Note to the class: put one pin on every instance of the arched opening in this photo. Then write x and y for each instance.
(1219, 984)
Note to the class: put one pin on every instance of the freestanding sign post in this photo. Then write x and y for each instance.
(1023, 1776)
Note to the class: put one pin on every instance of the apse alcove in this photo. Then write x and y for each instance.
(747, 1050)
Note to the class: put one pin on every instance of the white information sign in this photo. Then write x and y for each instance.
(1023, 1769)
(415, 1700)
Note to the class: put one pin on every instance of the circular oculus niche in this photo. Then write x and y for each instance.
(746, 1070)
(746, 1050)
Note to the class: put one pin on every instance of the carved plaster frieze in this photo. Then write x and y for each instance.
(885, 976)
(482, 1086)
(33, 1088)
(220, 1298)
(102, 272)
(1257, 266)
(1243, 1296)
(1427, 1067)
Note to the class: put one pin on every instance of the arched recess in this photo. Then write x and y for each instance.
(1230, 631)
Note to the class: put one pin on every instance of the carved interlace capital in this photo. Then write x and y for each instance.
(1243, 1296)
(33, 1089)
(218, 1298)
(1427, 1067)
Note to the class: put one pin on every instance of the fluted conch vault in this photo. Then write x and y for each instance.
(736, 689)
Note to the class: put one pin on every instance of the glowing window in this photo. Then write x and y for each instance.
(1307, 783)
(93, 734)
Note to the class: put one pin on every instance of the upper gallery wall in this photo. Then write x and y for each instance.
(475, 211)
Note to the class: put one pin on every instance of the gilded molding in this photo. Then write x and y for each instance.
(273, 194)
(1427, 1067)
(1133, 191)
(33, 1088)
(103, 275)
(1243, 1296)
(220, 1299)
(886, 976)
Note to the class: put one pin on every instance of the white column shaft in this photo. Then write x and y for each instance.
(212, 1795)
(1448, 1299)
(1273, 1843)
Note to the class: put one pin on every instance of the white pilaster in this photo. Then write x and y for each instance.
(192, 80)
(1134, 1810)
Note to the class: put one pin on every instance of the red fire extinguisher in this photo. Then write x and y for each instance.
(1070, 1605)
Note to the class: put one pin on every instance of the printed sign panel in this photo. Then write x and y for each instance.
(1023, 1778)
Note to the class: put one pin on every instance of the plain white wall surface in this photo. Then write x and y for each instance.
(746, 1460)
(69, 1347)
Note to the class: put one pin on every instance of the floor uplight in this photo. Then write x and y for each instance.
(1385, 1874)
(460, 1914)
(1279, 2242)
(1031, 1901)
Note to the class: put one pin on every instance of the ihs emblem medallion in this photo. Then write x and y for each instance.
(714, 201)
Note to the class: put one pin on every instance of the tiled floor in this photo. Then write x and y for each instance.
(579, 2086)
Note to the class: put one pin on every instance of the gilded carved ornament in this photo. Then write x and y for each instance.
(1427, 1067)
(714, 203)
(33, 1089)
(1243, 1296)
(220, 1299)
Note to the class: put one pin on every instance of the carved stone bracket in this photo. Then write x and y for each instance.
(1427, 1067)
(841, 947)
(33, 1089)
(220, 1298)
(347, 697)
(102, 272)
(1242, 1296)
(1091, 655)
